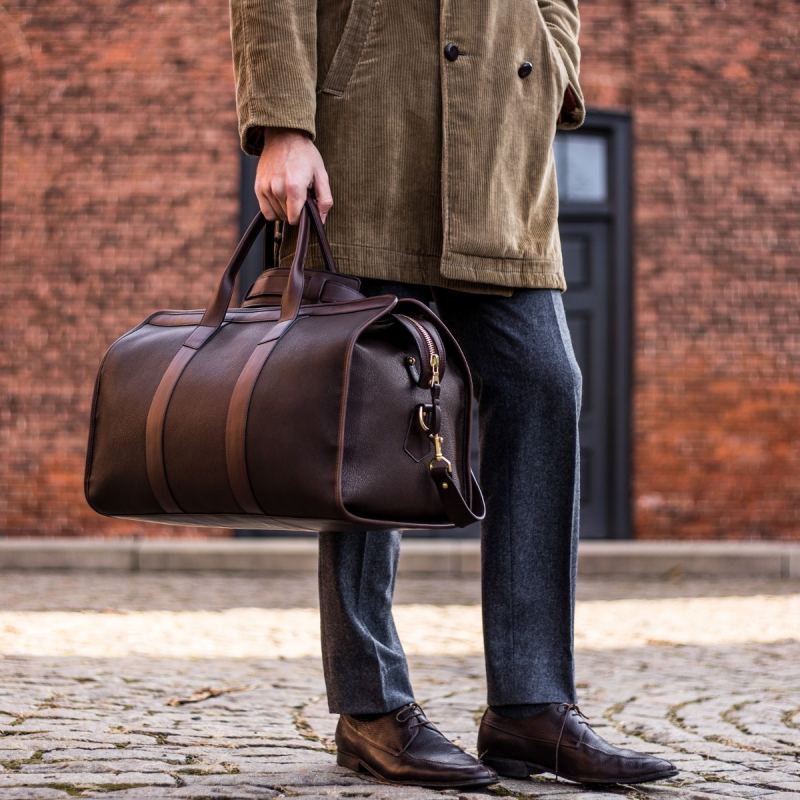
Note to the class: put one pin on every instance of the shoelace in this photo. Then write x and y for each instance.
(420, 721)
(567, 708)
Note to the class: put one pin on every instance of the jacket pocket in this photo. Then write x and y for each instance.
(348, 51)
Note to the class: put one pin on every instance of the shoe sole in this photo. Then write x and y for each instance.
(357, 765)
(511, 768)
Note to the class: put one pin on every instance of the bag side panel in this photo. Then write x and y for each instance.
(117, 482)
(194, 432)
(293, 426)
(380, 478)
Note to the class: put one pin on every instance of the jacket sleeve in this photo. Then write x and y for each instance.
(274, 45)
(563, 22)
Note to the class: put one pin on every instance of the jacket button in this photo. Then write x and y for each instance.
(451, 51)
(525, 69)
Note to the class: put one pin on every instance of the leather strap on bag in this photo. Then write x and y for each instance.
(209, 324)
(239, 408)
(455, 506)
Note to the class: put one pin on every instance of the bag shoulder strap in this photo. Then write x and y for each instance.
(455, 506)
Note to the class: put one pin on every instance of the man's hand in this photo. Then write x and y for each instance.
(288, 167)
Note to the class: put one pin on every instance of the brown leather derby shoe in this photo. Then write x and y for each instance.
(404, 747)
(559, 740)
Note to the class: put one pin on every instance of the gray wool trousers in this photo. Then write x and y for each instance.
(528, 385)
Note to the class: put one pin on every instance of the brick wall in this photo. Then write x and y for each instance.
(714, 91)
(120, 193)
(716, 109)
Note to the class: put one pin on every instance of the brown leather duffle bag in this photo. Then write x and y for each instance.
(312, 408)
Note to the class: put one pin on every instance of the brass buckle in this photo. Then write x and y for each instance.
(437, 445)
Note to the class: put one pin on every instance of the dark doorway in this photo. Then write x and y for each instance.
(594, 168)
(259, 257)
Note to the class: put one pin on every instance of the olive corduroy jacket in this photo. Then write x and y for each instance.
(435, 121)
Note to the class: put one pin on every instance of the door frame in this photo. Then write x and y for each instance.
(616, 128)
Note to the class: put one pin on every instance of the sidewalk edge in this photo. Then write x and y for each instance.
(435, 557)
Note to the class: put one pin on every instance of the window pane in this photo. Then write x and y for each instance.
(581, 167)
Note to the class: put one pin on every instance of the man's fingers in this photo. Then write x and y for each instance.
(276, 191)
(322, 190)
(270, 207)
(290, 194)
(284, 198)
(296, 194)
(267, 210)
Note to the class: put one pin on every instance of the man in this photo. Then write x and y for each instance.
(433, 124)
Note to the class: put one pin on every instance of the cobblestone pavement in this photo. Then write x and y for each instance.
(209, 685)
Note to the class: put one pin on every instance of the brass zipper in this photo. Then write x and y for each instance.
(428, 339)
(435, 437)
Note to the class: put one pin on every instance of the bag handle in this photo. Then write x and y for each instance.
(292, 295)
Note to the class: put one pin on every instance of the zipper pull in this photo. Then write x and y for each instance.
(435, 369)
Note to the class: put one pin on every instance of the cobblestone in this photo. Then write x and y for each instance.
(209, 686)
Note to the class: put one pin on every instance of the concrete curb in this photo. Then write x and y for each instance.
(434, 557)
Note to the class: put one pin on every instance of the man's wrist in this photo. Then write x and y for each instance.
(278, 132)
(259, 135)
